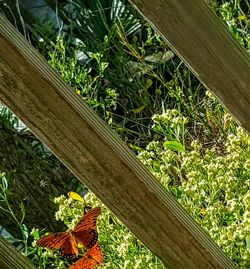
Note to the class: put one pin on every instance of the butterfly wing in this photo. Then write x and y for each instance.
(69, 249)
(85, 231)
(92, 258)
(63, 241)
(89, 220)
(83, 264)
(95, 253)
(53, 241)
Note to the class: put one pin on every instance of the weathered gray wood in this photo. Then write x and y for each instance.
(199, 37)
(96, 155)
(11, 258)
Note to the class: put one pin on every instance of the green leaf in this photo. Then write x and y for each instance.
(4, 183)
(22, 211)
(174, 145)
(149, 83)
(35, 233)
(12, 240)
(138, 110)
(248, 243)
(134, 147)
(160, 57)
(25, 232)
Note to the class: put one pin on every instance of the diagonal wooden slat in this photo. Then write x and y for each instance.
(192, 29)
(96, 155)
(11, 258)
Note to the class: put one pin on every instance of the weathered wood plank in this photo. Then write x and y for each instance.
(96, 155)
(11, 258)
(199, 37)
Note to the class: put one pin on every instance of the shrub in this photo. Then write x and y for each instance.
(212, 183)
(121, 248)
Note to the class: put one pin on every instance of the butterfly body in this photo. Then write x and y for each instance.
(87, 238)
(84, 233)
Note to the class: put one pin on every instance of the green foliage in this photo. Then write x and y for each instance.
(8, 117)
(113, 78)
(236, 14)
(211, 183)
(123, 69)
(171, 124)
(128, 76)
(121, 248)
(96, 19)
(7, 208)
(173, 145)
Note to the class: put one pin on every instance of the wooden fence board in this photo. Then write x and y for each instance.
(199, 37)
(96, 155)
(11, 258)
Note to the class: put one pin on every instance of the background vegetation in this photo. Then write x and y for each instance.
(123, 69)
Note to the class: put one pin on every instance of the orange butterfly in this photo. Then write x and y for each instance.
(85, 233)
(92, 258)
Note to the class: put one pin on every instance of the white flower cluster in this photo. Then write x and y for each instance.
(170, 117)
(214, 188)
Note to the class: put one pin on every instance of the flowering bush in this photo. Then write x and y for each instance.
(212, 183)
(120, 247)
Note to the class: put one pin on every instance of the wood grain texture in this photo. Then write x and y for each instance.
(201, 39)
(11, 258)
(97, 156)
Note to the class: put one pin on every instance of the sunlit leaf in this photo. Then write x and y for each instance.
(75, 196)
(4, 183)
(23, 212)
(25, 232)
(174, 145)
(139, 109)
(134, 147)
(242, 17)
(203, 211)
(248, 243)
(35, 233)
(160, 57)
